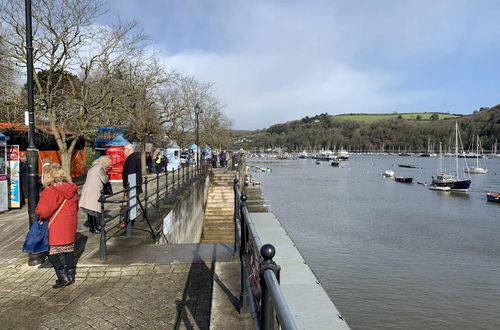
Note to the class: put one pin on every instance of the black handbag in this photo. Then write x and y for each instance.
(107, 189)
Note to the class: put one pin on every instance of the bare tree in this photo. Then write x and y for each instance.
(72, 63)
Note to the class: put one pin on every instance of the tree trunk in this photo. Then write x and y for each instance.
(66, 162)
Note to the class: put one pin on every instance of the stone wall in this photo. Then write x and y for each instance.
(184, 222)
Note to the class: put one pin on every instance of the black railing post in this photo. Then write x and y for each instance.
(102, 242)
(157, 189)
(166, 185)
(244, 299)
(178, 179)
(183, 175)
(236, 216)
(267, 251)
(173, 180)
(145, 198)
(128, 229)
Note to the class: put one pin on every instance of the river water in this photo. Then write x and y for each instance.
(393, 255)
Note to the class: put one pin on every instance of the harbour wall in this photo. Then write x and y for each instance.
(184, 222)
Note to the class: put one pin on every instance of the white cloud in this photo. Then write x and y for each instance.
(273, 61)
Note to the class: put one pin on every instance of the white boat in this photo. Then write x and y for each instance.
(476, 169)
(434, 187)
(388, 174)
(342, 154)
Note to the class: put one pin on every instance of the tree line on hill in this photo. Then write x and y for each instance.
(324, 132)
(88, 76)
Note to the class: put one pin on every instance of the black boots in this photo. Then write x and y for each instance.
(71, 272)
(62, 278)
(93, 228)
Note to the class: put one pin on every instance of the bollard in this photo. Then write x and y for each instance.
(267, 251)
(157, 190)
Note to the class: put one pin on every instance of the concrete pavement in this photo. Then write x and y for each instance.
(141, 285)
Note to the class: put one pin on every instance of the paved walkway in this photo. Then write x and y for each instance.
(141, 285)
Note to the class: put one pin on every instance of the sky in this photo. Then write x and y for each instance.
(276, 61)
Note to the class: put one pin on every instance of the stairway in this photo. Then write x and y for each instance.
(218, 225)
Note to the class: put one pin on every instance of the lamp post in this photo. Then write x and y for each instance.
(197, 111)
(32, 152)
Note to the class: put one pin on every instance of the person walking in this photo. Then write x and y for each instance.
(214, 159)
(91, 191)
(158, 161)
(59, 205)
(149, 163)
(132, 166)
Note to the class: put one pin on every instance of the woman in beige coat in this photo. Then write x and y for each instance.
(89, 199)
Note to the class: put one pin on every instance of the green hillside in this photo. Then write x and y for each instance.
(371, 118)
(365, 132)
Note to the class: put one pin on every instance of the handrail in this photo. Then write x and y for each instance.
(148, 198)
(271, 297)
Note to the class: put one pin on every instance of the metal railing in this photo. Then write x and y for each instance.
(260, 292)
(156, 187)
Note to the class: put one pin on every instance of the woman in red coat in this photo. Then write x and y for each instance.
(59, 205)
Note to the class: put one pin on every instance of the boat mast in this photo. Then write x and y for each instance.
(477, 152)
(456, 146)
(440, 158)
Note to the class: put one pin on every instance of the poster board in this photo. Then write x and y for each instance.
(13, 164)
(132, 197)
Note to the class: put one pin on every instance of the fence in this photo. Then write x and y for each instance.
(260, 292)
(165, 185)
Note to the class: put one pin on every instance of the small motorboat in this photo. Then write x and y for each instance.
(408, 166)
(388, 174)
(335, 164)
(493, 197)
(318, 162)
(422, 183)
(403, 179)
(439, 188)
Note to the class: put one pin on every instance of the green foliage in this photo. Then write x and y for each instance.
(329, 132)
(370, 118)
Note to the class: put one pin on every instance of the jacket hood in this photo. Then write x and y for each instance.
(67, 189)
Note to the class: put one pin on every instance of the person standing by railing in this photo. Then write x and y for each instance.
(59, 205)
(91, 191)
(132, 166)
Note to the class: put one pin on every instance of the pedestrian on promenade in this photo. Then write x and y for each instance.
(59, 205)
(163, 162)
(158, 161)
(91, 191)
(214, 160)
(149, 163)
(132, 166)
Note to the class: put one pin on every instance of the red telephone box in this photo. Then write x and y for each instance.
(117, 155)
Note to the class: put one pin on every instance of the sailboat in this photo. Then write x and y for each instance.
(447, 181)
(476, 169)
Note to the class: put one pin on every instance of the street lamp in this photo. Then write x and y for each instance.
(32, 152)
(197, 111)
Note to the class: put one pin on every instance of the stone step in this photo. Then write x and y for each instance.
(218, 228)
(218, 240)
(219, 220)
(218, 213)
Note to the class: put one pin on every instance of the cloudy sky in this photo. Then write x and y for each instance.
(274, 61)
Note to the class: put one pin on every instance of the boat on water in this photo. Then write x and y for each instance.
(335, 163)
(477, 169)
(407, 166)
(342, 154)
(388, 174)
(318, 162)
(433, 187)
(403, 179)
(493, 197)
(451, 181)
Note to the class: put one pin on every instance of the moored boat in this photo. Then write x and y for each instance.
(493, 197)
(388, 174)
(335, 164)
(403, 179)
(407, 166)
(453, 182)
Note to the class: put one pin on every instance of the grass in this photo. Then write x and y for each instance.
(370, 118)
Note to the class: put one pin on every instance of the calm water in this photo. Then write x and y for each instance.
(393, 255)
